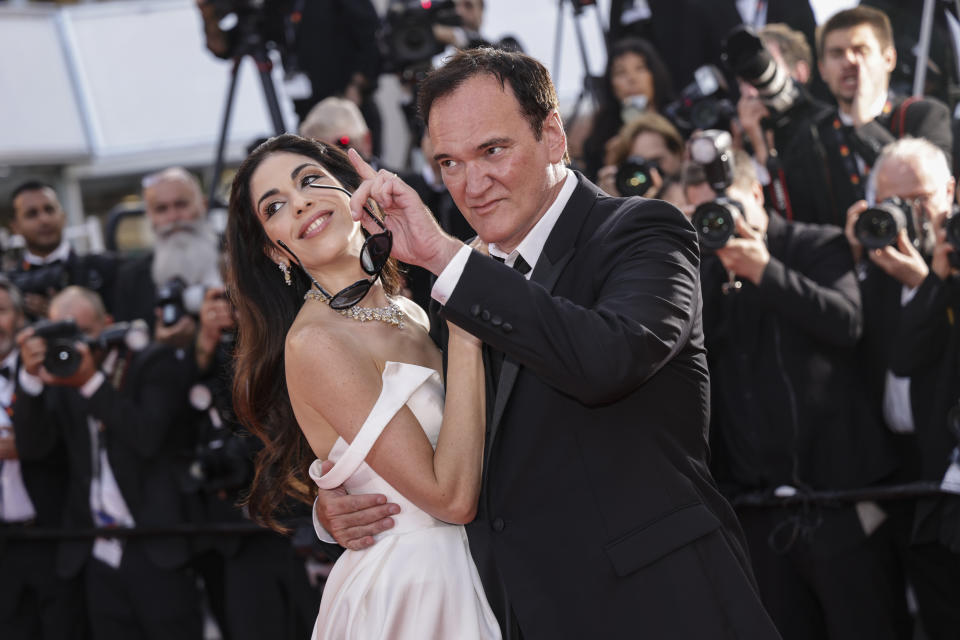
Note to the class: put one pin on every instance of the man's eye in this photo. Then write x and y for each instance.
(448, 164)
(492, 151)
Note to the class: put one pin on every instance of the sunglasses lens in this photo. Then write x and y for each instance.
(375, 252)
(351, 295)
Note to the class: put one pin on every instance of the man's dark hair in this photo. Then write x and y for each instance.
(16, 298)
(876, 19)
(30, 185)
(528, 79)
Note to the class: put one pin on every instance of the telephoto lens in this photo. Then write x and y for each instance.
(878, 226)
(634, 176)
(716, 222)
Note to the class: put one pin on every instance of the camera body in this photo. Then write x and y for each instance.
(176, 299)
(220, 460)
(953, 237)
(407, 39)
(703, 104)
(635, 176)
(715, 221)
(878, 226)
(41, 280)
(62, 359)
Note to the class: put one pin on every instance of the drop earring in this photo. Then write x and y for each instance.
(285, 270)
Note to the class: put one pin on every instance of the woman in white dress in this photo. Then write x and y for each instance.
(316, 299)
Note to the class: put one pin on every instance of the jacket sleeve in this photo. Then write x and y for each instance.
(924, 327)
(639, 279)
(142, 415)
(35, 424)
(824, 298)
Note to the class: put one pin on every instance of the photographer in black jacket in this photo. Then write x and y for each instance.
(781, 311)
(910, 356)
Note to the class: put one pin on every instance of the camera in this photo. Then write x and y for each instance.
(175, 299)
(41, 280)
(716, 222)
(744, 53)
(703, 104)
(220, 461)
(635, 176)
(878, 226)
(407, 37)
(712, 150)
(62, 359)
(263, 20)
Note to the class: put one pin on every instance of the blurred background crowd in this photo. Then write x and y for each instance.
(813, 147)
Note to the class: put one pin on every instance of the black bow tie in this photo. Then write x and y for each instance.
(520, 265)
(6, 371)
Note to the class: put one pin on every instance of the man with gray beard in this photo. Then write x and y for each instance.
(185, 248)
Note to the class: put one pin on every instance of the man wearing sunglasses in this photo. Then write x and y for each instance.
(598, 516)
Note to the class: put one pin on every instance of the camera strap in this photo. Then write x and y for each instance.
(778, 186)
(898, 122)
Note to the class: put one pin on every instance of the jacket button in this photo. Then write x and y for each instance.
(496, 321)
(507, 327)
(497, 525)
(475, 310)
(485, 315)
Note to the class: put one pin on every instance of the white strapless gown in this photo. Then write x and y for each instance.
(418, 581)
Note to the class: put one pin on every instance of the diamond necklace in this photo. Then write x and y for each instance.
(391, 314)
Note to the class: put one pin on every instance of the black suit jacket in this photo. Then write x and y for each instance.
(135, 292)
(597, 507)
(144, 433)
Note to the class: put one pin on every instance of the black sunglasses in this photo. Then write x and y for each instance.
(373, 257)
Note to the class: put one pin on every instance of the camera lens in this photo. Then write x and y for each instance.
(634, 177)
(878, 227)
(715, 223)
(62, 359)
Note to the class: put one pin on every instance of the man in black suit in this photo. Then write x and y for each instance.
(34, 601)
(49, 262)
(827, 160)
(910, 358)
(598, 516)
(119, 416)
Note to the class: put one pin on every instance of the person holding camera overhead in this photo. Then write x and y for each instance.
(49, 262)
(907, 264)
(115, 403)
(781, 311)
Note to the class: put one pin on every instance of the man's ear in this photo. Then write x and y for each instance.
(555, 136)
(890, 58)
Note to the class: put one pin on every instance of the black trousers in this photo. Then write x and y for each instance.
(141, 600)
(37, 604)
(821, 577)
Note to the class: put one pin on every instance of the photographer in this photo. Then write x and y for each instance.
(782, 316)
(645, 152)
(49, 263)
(828, 155)
(909, 351)
(118, 415)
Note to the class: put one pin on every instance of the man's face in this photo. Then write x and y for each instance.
(471, 13)
(39, 218)
(501, 177)
(170, 201)
(10, 322)
(88, 322)
(845, 51)
(909, 180)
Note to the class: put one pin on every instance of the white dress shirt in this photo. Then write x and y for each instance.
(61, 253)
(15, 503)
(897, 407)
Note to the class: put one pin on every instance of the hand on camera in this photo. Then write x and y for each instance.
(940, 264)
(216, 316)
(849, 229)
(179, 335)
(745, 255)
(33, 350)
(903, 262)
(751, 112)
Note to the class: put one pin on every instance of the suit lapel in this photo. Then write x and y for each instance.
(556, 254)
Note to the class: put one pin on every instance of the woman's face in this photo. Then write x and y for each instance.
(653, 147)
(629, 76)
(314, 222)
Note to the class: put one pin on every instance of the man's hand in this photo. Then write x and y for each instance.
(32, 351)
(216, 316)
(940, 264)
(865, 98)
(8, 444)
(607, 180)
(179, 335)
(417, 237)
(903, 263)
(353, 520)
(747, 256)
(853, 214)
(751, 112)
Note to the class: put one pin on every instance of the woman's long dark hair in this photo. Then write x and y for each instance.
(607, 120)
(265, 310)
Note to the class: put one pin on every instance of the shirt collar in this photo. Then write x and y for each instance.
(532, 244)
(61, 253)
